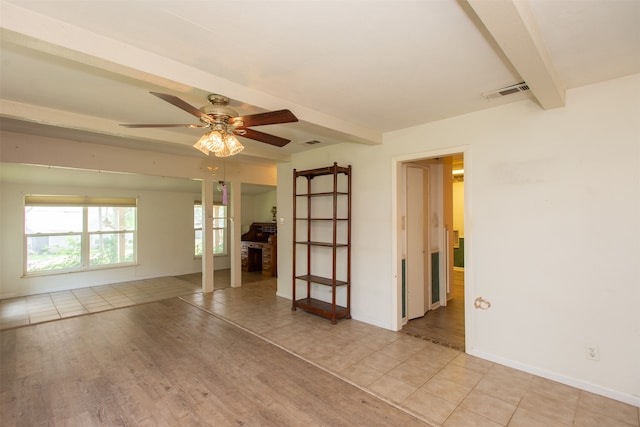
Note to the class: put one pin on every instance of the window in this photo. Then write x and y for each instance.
(68, 233)
(219, 229)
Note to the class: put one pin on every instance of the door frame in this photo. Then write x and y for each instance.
(397, 229)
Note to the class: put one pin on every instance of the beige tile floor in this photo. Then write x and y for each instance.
(439, 385)
(32, 309)
(39, 308)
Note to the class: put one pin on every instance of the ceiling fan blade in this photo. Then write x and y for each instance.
(262, 137)
(174, 100)
(164, 126)
(268, 118)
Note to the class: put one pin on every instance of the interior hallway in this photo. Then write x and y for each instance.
(444, 325)
(437, 384)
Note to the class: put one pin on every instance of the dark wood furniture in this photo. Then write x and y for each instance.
(259, 248)
(322, 236)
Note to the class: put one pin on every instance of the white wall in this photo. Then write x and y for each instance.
(370, 232)
(552, 205)
(257, 208)
(263, 203)
(165, 239)
(458, 207)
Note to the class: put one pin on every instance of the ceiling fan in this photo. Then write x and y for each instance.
(224, 123)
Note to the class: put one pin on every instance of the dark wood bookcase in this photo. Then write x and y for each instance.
(322, 240)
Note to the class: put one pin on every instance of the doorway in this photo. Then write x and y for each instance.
(434, 250)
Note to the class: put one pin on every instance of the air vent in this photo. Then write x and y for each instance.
(313, 142)
(520, 87)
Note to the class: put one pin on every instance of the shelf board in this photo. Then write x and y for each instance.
(326, 244)
(322, 308)
(324, 193)
(329, 170)
(321, 219)
(321, 280)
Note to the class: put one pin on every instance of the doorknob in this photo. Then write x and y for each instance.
(481, 303)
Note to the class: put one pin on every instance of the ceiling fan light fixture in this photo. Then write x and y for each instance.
(215, 141)
(204, 143)
(219, 142)
(210, 142)
(222, 151)
(200, 147)
(230, 146)
(234, 145)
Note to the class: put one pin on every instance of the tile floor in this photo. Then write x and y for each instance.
(437, 384)
(58, 305)
(39, 308)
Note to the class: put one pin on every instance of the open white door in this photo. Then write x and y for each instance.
(417, 292)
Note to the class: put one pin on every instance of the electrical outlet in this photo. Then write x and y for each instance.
(592, 352)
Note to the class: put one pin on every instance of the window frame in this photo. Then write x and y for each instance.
(225, 229)
(85, 235)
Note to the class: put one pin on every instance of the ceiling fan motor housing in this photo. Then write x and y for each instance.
(219, 109)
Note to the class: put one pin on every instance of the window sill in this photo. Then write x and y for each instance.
(82, 270)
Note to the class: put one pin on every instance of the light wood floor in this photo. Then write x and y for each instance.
(444, 325)
(170, 363)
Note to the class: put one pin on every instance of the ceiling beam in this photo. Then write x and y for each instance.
(48, 35)
(94, 129)
(513, 27)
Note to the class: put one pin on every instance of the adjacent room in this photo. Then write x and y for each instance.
(425, 212)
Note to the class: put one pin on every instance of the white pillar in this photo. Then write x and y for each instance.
(235, 228)
(207, 235)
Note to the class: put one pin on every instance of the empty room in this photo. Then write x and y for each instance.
(320, 213)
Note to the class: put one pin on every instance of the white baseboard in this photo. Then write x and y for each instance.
(573, 382)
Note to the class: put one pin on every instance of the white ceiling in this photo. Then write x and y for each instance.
(350, 70)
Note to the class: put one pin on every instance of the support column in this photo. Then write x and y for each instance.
(235, 228)
(207, 235)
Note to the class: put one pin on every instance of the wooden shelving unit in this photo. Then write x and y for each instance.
(322, 222)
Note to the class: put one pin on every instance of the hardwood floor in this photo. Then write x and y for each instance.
(170, 363)
(444, 325)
